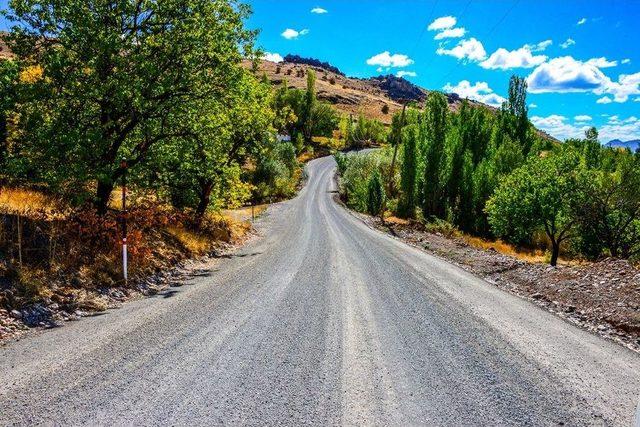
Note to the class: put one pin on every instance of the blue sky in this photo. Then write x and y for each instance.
(581, 58)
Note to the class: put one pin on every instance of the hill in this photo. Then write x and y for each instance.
(350, 95)
(632, 145)
(4, 49)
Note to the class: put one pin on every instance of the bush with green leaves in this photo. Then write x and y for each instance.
(375, 195)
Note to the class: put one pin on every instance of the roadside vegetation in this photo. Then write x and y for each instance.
(492, 175)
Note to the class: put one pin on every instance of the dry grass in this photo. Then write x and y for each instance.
(244, 214)
(195, 242)
(533, 256)
(26, 202)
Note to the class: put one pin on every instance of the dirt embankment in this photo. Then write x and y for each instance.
(603, 297)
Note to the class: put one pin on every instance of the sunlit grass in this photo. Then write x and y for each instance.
(20, 201)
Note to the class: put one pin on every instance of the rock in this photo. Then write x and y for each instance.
(16, 314)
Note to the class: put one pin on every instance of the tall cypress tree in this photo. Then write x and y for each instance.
(408, 173)
(433, 203)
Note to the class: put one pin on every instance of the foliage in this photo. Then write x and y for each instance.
(435, 129)
(375, 195)
(118, 78)
(408, 174)
(538, 196)
(363, 132)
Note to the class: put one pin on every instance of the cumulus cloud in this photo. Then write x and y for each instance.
(273, 57)
(504, 59)
(406, 74)
(470, 49)
(539, 47)
(565, 74)
(559, 126)
(480, 91)
(451, 33)
(604, 100)
(582, 21)
(582, 118)
(627, 85)
(442, 23)
(291, 34)
(567, 43)
(319, 10)
(602, 62)
(636, 99)
(386, 59)
(625, 61)
(624, 130)
(532, 105)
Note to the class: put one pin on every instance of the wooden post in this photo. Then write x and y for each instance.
(19, 241)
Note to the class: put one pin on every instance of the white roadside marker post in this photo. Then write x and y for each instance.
(123, 165)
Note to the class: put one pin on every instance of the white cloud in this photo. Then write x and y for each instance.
(582, 21)
(567, 43)
(624, 130)
(559, 126)
(480, 92)
(442, 23)
(273, 57)
(532, 105)
(625, 61)
(636, 99)
(602, 62)
(291, 34)
(520, 58)
(565, 74)
(470, 49)
(451, 33)
(604, 100)
(627, 85)
(539, 47)
(319, 10)
(406, 73)
(583, 118)
(385, 59)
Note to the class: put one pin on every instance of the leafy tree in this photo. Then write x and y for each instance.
(408, 173)
(607, 208)
(375, 195)
(118, 78)
(538, 196)
(8, 81)
(435, 126)
(518, 110)
(365, 132)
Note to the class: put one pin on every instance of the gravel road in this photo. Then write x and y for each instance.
(321, 320)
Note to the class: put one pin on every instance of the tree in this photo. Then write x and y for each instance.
(607, 208)
(119, 78)
(538, 196)
(435, 129)
(518, 110)
(8, 82)
(375, 195)
(308, 106)
(408, 173)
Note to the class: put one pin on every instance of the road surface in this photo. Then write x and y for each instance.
(322, 320)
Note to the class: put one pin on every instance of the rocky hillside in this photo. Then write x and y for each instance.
(632, 145)
(351, 95)
(4, 49)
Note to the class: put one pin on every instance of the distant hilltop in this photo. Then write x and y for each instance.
(296, 59)
(632, 145)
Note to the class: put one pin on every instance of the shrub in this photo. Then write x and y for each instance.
(375, 195)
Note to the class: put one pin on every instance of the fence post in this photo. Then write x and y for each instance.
(123, 165)
(19, 241)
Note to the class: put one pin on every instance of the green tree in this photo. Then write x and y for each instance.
(408, 173)
(538, 196)
(375, 195)
(117, 79)
(8, 84)
(518, 110)
(435, 128)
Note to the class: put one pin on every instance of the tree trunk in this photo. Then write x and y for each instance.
(555, 251)
(103, 194)
(205, 199)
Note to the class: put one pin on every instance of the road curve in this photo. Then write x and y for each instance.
(322, 320)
